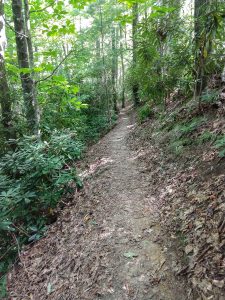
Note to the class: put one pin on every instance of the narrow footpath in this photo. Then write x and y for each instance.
(107, 244)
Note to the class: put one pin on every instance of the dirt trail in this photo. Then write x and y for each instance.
(108, 245)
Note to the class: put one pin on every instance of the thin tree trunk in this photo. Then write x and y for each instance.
(122, 67)
(114, 70)
(104, 67)
(30, 52)
(28, 33)
(99, 75)
(5, 99)
(135, 87)
(200, 44)
(28, 86)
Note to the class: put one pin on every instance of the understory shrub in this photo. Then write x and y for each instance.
(32, 180)
(220, 145)
(210, 96)
(144, 112)
(186, 128)
(96, 127)
(205, 136)
(181, 135)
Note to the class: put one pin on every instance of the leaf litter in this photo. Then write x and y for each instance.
(191, 205)
(82, 254)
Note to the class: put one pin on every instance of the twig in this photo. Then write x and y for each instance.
(21, 230)
(15, 262)
(53, 72)
(221, 224)
(6, 252)
(201, 256)
(183, 271)
(11, 27)
(19, 255)
(42, 9)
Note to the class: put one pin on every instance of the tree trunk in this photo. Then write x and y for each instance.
(5, 99)
(104, 67)
(28, 86)
(135, 87)
(99, 73)
(200, 45)
(114, 70)
(122, 67)
(28, 33)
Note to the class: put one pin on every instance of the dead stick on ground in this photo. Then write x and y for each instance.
(18, 250)
(201, 256)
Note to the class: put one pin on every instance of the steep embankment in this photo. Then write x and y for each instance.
(183, 157)
(108, 244)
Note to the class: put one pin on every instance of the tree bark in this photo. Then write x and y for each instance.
(104, 67)
(99, 78)
(114, 70)
(28, 33)
(122, 67)
(5, 99)
(28, 86)
(200, 45)
(135, 88)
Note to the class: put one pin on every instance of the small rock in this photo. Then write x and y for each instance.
(188, 249)
(219, 283)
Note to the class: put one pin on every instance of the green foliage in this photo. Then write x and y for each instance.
(97, 126)
(210, 96)
(186, 128)
(177, 146)
(32, 180)
(220, 145)
(73, 69)
(181, 135)
(205, 136)
(73, 89)
(3, 285)
(144, 112)
(159, 71)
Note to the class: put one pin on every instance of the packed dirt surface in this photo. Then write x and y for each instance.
(107, 244)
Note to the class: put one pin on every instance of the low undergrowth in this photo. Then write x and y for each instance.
(144, 113)
(40, 172)
(32, 180)
(35, 177)
(188, 126)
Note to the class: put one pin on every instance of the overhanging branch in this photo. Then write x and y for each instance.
(56, 68)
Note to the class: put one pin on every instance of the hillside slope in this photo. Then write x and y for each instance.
(184, 154)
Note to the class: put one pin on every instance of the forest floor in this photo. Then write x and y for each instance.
(108, 242)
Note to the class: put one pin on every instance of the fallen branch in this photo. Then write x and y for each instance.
(19, 255)
(201, 256)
